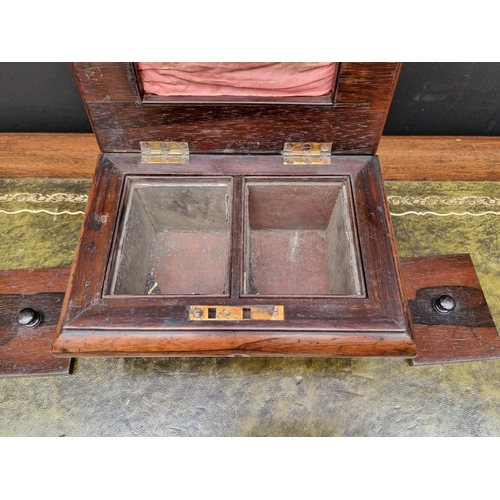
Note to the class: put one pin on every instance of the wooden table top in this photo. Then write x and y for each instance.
(401, 158)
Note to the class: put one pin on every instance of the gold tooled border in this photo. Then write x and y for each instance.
(43, 198)
(449, 201)
(426, 201)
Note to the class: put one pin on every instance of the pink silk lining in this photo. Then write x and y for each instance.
(238, 79)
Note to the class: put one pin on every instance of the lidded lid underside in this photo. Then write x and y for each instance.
(238, 108)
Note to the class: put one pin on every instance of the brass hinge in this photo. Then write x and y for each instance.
(164, 152)
(307, 153)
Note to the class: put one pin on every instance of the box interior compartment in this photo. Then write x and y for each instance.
(174, 238)
(300, 238)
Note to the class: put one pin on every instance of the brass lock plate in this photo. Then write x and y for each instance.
(236, 313)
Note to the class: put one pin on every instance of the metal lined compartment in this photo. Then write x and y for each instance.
(174, 238)
(300, 238)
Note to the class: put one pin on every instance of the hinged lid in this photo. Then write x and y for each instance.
(351, 115)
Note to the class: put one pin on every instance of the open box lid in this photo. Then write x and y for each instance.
(351, 115)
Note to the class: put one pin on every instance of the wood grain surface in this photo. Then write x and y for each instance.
(449, 343)
(440, 158)
(353, 123)
(96, 323)
(27, 351)
(401, 158)
(72, 156)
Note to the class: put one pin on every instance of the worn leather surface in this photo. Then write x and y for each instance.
(40, 221)
(263, 397)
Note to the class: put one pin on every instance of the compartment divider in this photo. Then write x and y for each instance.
(236, 256)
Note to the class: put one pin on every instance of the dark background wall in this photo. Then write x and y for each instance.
(431, 99)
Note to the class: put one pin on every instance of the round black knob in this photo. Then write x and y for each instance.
(29, 317)
(444, 304)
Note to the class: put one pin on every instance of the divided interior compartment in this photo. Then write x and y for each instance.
(174, 238)
(300, 238)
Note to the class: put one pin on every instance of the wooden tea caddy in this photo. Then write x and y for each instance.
(236, 226)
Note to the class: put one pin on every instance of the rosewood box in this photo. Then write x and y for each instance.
(236, 210)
